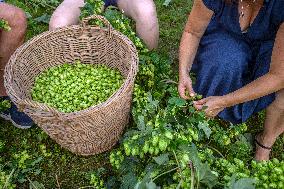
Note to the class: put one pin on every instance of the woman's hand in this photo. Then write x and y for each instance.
(185, 85)
(213, 105)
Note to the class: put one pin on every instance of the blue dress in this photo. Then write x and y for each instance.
(110, 3)
(228, 59)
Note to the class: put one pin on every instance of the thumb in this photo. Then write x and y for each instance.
(190, 90)
(181, 91)
(200, 102)
(198, 107)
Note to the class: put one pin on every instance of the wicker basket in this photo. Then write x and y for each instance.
(89, 131)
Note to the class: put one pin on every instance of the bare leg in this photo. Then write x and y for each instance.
(67, 13)
(145, 15)
(273, 127)
(142, 11)
(9, 41)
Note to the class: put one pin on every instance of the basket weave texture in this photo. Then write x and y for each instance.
(87, 132)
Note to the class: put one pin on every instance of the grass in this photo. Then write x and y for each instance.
(59, 168)
(172, 20)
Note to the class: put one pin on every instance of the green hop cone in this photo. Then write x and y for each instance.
(151, 150)
(163, 145)
(169, 135)
(146, 147)
(155, 140)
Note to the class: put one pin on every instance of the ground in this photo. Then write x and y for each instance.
(60, 168)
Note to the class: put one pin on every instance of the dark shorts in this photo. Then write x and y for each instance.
(109, 3)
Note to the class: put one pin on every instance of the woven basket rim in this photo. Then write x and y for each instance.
(132, 71)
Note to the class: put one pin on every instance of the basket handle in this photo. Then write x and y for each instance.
(85, 22)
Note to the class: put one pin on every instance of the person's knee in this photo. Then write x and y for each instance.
(17, 19)
(147, 23)
(67, 13)
(20, 21)
(145, 11)
(232, 64)
(58, 22)
(228, 69)
(223, 55)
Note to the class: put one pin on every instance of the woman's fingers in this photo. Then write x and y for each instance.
(181, 91)
(212, 113)
(185, 85)
(190, 89)
(201, 102)
(198, 107)
(212, 105)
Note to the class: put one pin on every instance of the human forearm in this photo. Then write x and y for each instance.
(263, 86)
(188, 48)
(196, 25)
(272, 82)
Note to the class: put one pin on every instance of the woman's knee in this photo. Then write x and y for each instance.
(58, 21)
(228, 65)
(236, 64)
(219, 75)
(144, 11)
(16, 17)
(224, 55)
(67, 13)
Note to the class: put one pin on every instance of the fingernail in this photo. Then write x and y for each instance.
(191, 94)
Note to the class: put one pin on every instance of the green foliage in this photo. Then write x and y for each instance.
(4, 25)
(92, 7)
(269, 174)
(243, 183)
(167, 2)
(5, 180)
(4, 105)
(168, 143)
(36, 185)
(74, 87)
(19, 165)
(97, 182)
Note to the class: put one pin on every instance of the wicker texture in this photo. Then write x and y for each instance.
(89, 131)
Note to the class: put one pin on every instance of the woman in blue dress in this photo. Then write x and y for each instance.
(236, 49)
